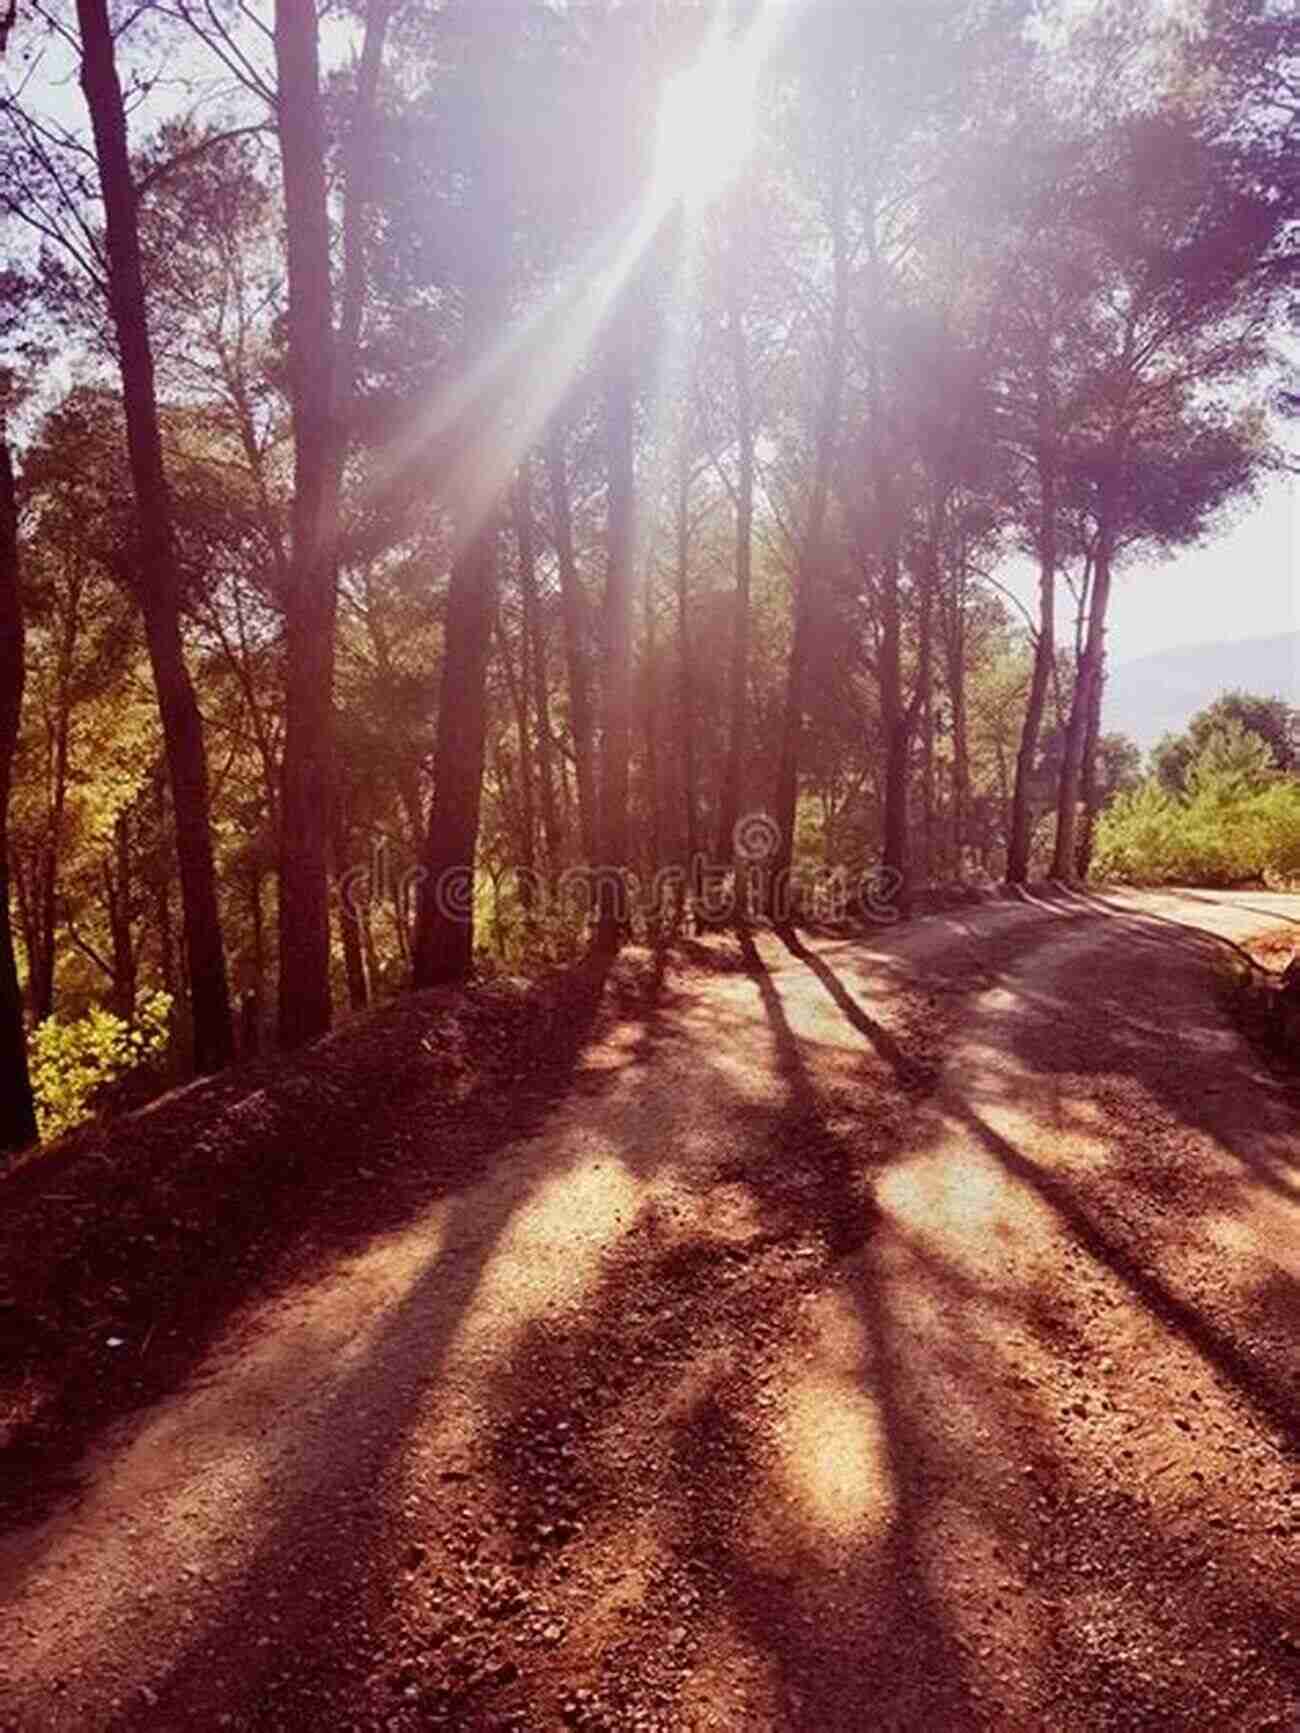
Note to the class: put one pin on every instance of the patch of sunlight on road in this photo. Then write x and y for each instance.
(617, 1050)
(954, 1194)
(548, 1252)
(832, 1457)
(1262, 1223)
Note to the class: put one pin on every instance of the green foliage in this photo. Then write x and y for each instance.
(1236, 818)
(72, 1063)
(1272, 720)
(1233, 762)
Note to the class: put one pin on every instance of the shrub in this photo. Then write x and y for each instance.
(1226, 828)
(73, 1063)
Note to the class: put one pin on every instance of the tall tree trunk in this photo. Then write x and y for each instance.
(616, 651)
(368, 948)
(46, 913)
(321, 368)
(900, 713)
(575, 645)
(894, 851)
(1090, 781)
(117, 888)
(653, 724)
(166, 937)
(955, 679)
(738, 693)
(348, 923)
(443, 947)
(1022, 817)
(518, 685)
(1086, 688)
(257, 920)
(812, 549)
(159, 583)
(311, 597)
(444, 937)
(690, 792)
(535, 633)
(927, 779)
(17, 1114)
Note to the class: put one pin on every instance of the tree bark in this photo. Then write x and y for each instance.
(811, 553)
(347, 918)
(653, 724)
(443, 946)
(17, 1113)
(1090, 781)
(518, 685)
(535, 632)
(311, 595)
(444, 938)
(42, 954)
(1044, 656)
(738, 693)
(894, 841)
(955, 680)
(575, 645)
(321, 367)
(616, 652)
(117, 889)
(927, 777)
(1087, 691)
(690, 791)
(159, 583)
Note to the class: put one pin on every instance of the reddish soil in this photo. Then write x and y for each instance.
(882, 1332)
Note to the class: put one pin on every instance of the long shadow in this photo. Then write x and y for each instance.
(219, 1223)
(909, 1073)
(460, 1143)
(845, 1208)
(1138, 920)
(1214, 1346)
(1251, 1111)
(830, 1681)
(320, 1575)
(1271, 1397)
(558, 1453)
(1177, 1314)
(1247, 908)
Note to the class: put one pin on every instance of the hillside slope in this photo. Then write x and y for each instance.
(1158, 694)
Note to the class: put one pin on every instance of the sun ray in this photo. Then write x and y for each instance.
(706, 131)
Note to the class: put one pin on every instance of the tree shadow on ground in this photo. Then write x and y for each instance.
(331, 1525)
(314, 1202)
(1134, 1045)
(360, 1629)
(909, 1073)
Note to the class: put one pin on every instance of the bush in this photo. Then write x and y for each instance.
(74, 1063)
(1227, 826)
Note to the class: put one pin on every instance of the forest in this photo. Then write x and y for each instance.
(483, 481)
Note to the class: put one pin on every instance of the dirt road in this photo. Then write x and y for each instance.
(887, 1333)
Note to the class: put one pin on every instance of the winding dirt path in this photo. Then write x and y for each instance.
(888, 1333)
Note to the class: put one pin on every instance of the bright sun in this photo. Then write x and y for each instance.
(706, 124)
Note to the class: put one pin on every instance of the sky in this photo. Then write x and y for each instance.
(1245, 583)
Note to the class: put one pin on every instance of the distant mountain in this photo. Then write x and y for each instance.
(1159, 694)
